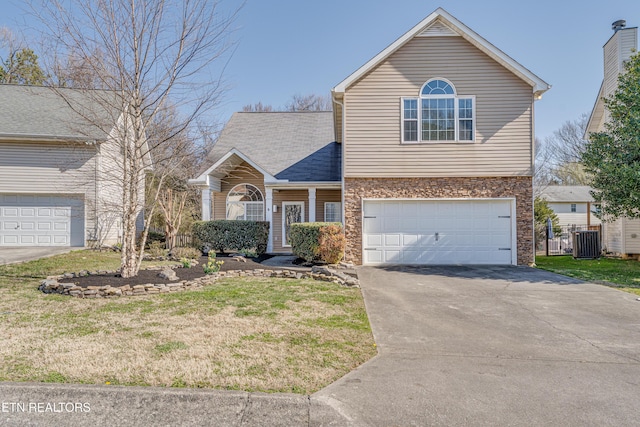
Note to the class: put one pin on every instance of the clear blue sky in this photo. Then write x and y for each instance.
(287, 47)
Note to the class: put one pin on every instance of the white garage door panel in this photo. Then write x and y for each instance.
(437, 232)
(41, 220)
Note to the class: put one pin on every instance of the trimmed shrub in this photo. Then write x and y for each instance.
(227, 235)
(331, 244)
(306, 237)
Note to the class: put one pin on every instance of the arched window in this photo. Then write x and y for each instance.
(438, 114)
(245, 202)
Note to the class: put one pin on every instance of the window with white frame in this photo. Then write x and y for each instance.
(333, 212)
(438, 114)
(245, 203)
(574, 207)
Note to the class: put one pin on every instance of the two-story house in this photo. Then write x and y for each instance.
(61, 167)
(621, 236)
(426, 158)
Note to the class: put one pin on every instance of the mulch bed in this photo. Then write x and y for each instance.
(151, 276)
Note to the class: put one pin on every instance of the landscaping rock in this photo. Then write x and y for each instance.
(168, 274)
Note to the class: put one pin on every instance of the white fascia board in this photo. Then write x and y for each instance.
(200, 182)
(235, 152)
(597, 112)
(287, 185)
(539, 86)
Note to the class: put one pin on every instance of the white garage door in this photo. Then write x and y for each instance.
(438, 232)
(41, 220)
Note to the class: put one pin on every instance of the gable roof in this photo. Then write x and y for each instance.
(44, 113)
(293, 146)
(441, 23)
(567, 193)
(596, 118)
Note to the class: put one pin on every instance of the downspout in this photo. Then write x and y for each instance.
(533, 169)
(341, 104)
(95, 198)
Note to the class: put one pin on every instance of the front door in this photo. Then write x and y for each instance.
(292, 212)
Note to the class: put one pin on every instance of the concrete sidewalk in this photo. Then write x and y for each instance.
(96, 405)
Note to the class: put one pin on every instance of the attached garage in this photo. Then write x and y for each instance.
(439, 231)
(41, 220)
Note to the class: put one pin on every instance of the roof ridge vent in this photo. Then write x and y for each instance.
(618, 25)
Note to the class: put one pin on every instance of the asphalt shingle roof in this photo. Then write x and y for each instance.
(298, 146)
(567, 193)
(40, 112)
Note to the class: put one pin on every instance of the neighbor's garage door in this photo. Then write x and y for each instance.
(437, 232)
(41, 220)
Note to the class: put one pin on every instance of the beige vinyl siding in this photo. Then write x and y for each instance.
(287, 196)
(632, 236)
(46, 167)
(618, 49)
(503, 119)
(565, 219)
(50, 168)
(612, 236)
(242, 174)
(323, 196)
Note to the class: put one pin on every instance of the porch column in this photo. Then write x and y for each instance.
(312, 205)
(269, 217)
(206, 204)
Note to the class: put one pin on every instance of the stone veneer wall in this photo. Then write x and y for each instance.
(520, 187)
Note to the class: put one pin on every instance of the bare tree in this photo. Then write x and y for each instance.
(257, 108)
(154, 55)
(542, 165)
(174, 164)
(310, 102)
(565, 148)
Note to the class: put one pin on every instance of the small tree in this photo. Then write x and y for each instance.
(542, 212)
(20, 64)
(613, 156)
(154, 56)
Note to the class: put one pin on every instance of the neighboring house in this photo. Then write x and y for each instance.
(427, 157)
(621, 236)
(60, 183)
(573, 204)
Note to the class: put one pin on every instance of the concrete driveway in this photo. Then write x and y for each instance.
(493, 346)
(11, 255)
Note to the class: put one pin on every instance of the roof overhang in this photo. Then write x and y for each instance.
(596, 119)
(538, 85)
(19, 137)
(303, 185)
(220, 169)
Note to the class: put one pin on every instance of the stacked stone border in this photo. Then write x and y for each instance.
(51, 284)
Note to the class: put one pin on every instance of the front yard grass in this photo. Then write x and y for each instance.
(254, 334)
(624, 274)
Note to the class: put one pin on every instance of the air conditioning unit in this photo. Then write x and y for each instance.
(586, 244)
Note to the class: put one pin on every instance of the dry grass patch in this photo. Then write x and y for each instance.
(246, 334)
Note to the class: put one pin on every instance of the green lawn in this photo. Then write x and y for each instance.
(610, 271)
(253, 334)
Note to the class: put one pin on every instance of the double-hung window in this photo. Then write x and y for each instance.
(438, 114)
(333, 212)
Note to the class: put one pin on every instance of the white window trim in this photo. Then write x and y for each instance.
(227, 202)
(284, 237)
(338, 209)
(456, 98)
